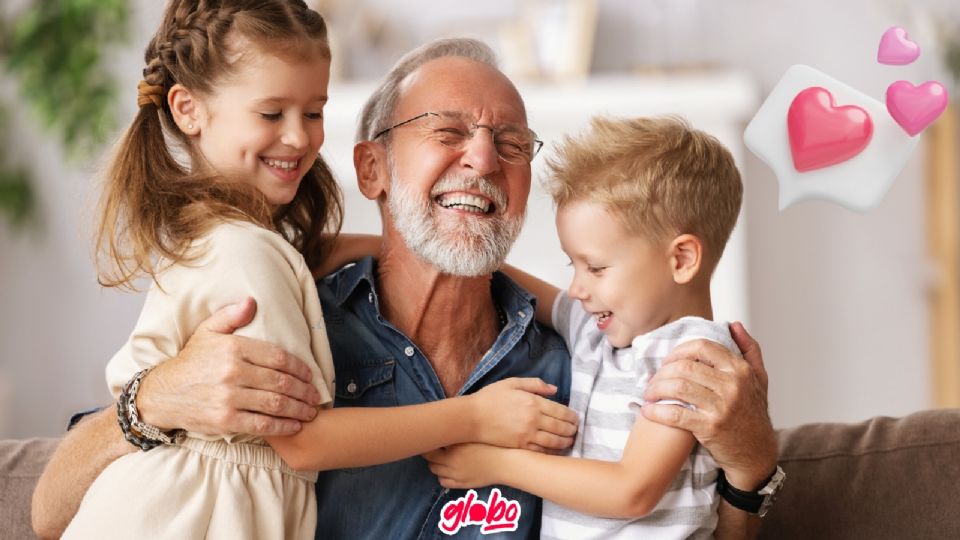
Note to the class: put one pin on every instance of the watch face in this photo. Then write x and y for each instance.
(773, 486)
(769, 491)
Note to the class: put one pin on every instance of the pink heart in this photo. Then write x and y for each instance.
(895, 49)
(822, 134)
(915, 107)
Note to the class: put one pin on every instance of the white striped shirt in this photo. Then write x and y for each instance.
(606, 391)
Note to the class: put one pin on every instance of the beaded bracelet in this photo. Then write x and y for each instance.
(136, 432)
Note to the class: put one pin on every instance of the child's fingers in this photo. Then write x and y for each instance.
(549, 441)
(433, 456)
(559, 412)
(536, 448)
(534, 385)
(560, 428)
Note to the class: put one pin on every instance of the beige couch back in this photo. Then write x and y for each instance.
(896, 478)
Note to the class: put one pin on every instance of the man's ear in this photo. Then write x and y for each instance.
(188, 111)
(373, 174)
(686, 257)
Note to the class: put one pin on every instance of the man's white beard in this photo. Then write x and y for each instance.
(473, 245)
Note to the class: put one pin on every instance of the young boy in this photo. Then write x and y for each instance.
(644, 209)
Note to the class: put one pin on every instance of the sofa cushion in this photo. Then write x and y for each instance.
(883, 478)
(21, 463)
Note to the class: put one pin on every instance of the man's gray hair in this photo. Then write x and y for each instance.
(379, 108)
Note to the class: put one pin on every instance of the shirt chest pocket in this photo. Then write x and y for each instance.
(367, 382)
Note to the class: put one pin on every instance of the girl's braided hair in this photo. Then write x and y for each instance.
(153, 205)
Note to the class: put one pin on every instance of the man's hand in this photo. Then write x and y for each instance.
(512, 413)
(730, 396)
(221, 383)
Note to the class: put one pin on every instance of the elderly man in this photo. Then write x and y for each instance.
(445, 150)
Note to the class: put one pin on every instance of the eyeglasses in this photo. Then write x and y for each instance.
(515, 144)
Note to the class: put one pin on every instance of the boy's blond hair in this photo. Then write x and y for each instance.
(659, 175)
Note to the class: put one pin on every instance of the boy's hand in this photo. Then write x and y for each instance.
(513, 414)
(465, 466)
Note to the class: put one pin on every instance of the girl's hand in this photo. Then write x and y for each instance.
(465, 466)
(513, 413)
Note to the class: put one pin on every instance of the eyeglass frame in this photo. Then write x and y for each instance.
(537, 143)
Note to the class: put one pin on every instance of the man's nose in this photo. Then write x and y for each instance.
(480, 152)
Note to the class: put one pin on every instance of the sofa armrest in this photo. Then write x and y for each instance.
(21, 463)
(883, 478)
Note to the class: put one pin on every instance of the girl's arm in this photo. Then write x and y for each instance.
(629, 488)
(545, 292)
(348, 248)
(504, 413)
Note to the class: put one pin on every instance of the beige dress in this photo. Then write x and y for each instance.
(223, 486)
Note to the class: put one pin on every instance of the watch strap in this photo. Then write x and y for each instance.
(754, 502)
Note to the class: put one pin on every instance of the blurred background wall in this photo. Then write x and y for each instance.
(838, 299)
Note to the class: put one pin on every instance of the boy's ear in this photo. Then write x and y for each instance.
(370, 163)
(686, 257)
(187, 110)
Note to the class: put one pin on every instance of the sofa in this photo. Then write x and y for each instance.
(886, 478)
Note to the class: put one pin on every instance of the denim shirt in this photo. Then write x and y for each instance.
(378, 366)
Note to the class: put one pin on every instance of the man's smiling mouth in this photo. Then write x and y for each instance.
(466, 202)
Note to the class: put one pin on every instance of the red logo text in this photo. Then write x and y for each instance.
(498, 514)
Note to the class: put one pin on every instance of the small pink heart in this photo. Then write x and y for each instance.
(895, 49)
(915, 107)
(822, 134)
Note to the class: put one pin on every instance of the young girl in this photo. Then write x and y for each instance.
(237, 208)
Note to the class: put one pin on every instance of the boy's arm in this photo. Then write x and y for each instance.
(629, 488)
(545, 292)
(348, 248)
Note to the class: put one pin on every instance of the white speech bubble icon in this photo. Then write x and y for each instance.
(857, 183)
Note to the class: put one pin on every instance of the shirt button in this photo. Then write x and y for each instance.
(408, 351)
(370, 297)
(352, 387)
(521, 314)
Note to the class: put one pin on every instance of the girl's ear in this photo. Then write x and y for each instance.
(186, 108)
(373, 174)
(686, 257)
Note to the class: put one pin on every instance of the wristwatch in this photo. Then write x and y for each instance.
(754, 502)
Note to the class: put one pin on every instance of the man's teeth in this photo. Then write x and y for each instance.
(467, 203)
(281, 164)
(602, 317)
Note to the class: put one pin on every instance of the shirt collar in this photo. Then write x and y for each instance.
(512, 297)
(345, 280)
